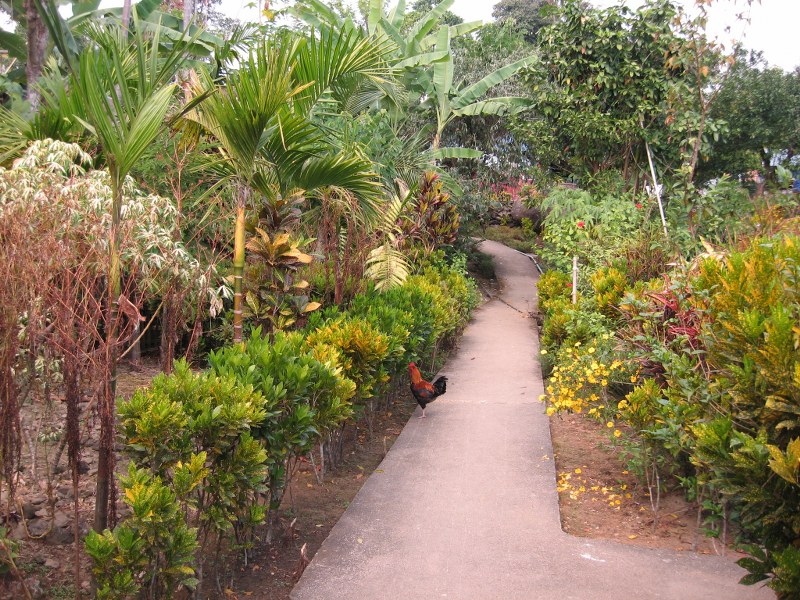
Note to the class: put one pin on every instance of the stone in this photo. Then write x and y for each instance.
(29, 509)
(61, 520)
(66, 491)
(52, 563)
(38, 527)
(59, 536)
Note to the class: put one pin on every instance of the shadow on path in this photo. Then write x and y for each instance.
(465, 506)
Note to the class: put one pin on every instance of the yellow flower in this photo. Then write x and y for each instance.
(633, 378)
(543, 352)
(591, 350)
(578, 471)
(604, 382)
(617, 433)
(610, 424)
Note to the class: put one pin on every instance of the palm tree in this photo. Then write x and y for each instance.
(125, 88)
(269, 143)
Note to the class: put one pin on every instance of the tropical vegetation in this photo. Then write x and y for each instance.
(284, 214)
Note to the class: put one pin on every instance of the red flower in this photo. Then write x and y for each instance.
(581, 224)
(569, 285)
(639, 205)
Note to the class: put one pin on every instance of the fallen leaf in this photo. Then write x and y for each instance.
(633, 536)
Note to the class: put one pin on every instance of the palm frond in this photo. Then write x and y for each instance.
(387, 267)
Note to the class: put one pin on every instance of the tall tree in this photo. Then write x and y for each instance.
(602, 73)
(126, 89)
(37, 46)
(761, 107)
(528, 16)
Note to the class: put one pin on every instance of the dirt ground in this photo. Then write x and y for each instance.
(600, 498)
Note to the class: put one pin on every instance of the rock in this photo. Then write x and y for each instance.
(34, 586)
(61, 520)
(83, 467)
(18, 532)
(29, 509)
(38, 527)
(65, 491)
(52, 563)
(38, 499)
(59, 536)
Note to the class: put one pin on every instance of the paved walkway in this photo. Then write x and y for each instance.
(465, 507)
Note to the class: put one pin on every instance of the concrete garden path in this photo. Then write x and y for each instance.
(464, 506)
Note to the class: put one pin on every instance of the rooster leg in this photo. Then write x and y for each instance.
(423, 413)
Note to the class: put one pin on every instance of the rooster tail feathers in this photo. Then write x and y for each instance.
(440, 385)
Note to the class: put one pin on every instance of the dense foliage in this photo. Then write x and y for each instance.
(694, 371)
(212, 453)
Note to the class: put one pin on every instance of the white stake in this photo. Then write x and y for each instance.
(574, 279)
(656, 187)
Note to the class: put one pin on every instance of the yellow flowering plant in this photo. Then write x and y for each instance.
(581, 377)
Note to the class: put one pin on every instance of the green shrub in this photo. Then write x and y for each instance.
(553, 285)
(361, 351)
(306, 397)
(593, 228)
(185, 415)
(152, 551)
(609, 285)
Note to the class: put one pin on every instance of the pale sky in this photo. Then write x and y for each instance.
(774, 25)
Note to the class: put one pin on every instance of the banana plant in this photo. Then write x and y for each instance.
(413, 48)
(65, 34)
(451, 102)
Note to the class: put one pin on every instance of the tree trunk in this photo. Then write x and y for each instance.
(37, 45)
(103, 507)
(188, 13)
(126, 16)
(238, 267)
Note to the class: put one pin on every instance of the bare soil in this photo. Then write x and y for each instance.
(600, 498)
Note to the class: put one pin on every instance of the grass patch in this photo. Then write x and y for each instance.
(482, 265)
(513, 237)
